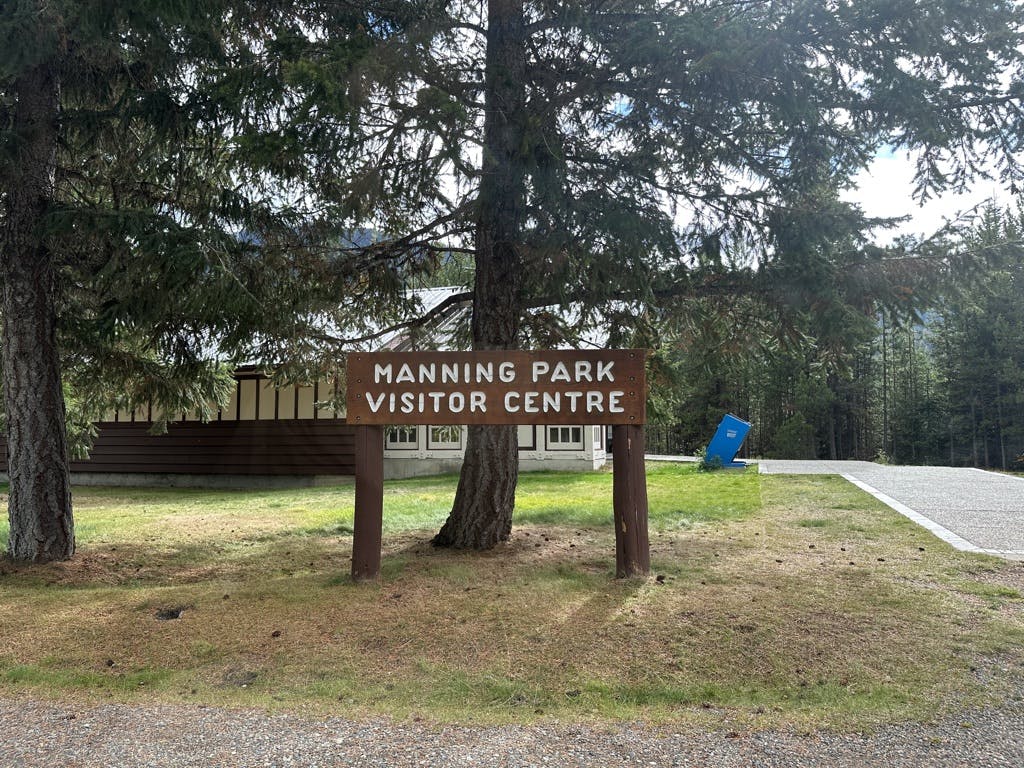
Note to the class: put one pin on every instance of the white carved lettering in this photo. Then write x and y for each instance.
(561, 373)
(405, 374)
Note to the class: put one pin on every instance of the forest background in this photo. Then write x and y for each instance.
(944, 385)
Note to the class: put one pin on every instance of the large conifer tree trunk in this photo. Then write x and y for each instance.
(481, 515)
(41, 522)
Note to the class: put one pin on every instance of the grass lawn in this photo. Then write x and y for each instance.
(780, 601)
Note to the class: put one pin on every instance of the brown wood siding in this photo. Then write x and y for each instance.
(287, 447)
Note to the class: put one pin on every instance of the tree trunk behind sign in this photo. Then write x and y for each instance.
(39, 503)
(481, 515)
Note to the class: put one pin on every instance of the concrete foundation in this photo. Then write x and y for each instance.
(394, 469)
(242, 482)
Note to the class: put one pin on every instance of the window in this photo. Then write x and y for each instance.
(401, 438)
(448, 438)
(565, 438)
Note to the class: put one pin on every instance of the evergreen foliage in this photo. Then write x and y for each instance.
(176, 175)
(976, 350)
(942, 385)
(150, 231)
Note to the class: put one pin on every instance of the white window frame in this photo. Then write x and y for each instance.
(401, 438)
(564, 438)
(438, 438)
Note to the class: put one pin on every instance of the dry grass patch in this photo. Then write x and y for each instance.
(782, 601)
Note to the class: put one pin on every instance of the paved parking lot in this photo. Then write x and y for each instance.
(971, 509)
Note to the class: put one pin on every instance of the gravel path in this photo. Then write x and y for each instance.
(119, 736)
(983, 509)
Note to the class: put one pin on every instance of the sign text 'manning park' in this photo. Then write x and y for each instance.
(497, 387)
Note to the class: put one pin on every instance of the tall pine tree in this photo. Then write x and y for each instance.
(148, 228)
(611, 154)
(603, 154)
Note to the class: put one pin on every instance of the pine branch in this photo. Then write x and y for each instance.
(418, 322)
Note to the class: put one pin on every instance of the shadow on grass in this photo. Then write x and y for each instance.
(763, 613)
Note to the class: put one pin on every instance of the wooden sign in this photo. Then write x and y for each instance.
(500, 387)
(497, 387)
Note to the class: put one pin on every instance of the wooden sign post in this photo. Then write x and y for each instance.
(629, 500)
(501, 387)
(367, 527)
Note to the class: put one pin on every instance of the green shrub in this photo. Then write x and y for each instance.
(705, 464)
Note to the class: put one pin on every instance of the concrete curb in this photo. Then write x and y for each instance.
(955, 541)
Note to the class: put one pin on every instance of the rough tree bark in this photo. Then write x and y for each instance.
(39, 504)
(481, 515)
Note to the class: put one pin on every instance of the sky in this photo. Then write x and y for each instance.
(886, 189)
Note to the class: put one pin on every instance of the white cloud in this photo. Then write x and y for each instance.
(886, 188)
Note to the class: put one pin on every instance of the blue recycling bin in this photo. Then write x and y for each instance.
(727, 441)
